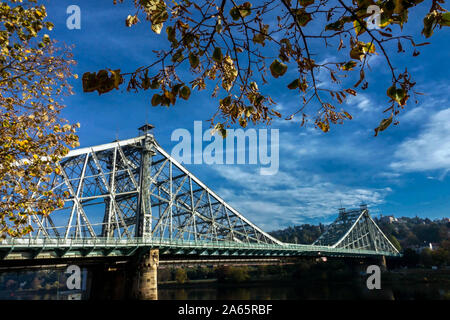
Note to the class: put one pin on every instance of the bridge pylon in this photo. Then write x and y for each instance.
(144, 206)
(355, 229)
(132, 189)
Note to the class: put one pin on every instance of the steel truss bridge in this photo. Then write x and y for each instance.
(131, 195)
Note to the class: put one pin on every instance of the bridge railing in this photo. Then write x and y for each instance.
(50, 243)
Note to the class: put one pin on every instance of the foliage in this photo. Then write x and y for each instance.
(232, 274)
(33, 137)
(181, 275)
(304, 234)
(413, 232)
(229, 45)
(395, 242)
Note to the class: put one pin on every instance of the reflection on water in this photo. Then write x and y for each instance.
(51, 285)
(306, 291)
(48, 284)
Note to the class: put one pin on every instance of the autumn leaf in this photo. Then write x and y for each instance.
(260, 37)
(156, 99)
(325, 127)
(348, 115)
(185, 92)
(383, 125)
(358, 28)
(305, 3)
(303, 17)
(194, 60)
(278, 68)
(229, 73)
(294, 84)
(397, 94)
(445, 19)
(131, 20)
(241, 11)
(335, 26)
(349, 66)
(351, 91)
(217, 55)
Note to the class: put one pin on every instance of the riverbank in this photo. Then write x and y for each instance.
(392, 277)
(412, 284)
(418, 276)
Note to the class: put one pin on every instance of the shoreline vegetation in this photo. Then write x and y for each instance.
(417, 275)
(395, 276)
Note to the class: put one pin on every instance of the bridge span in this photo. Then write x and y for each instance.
(130, 198)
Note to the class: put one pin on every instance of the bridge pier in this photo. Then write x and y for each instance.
(146, 276)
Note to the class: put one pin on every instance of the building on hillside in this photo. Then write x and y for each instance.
(388, 219)
(431, 245)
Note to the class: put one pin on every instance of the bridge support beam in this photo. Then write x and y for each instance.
(146, 277)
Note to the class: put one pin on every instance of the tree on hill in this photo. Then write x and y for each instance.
(181, 276)
(236, 48)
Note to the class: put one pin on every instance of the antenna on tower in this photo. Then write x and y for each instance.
(146, 115)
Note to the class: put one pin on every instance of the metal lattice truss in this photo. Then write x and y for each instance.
(133, 188)
(355, 229)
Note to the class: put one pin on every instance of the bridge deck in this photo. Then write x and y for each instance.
(46, 248)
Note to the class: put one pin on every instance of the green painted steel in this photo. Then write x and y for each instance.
(131, 195)
(11, 249)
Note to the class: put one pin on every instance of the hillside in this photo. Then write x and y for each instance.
(406, 232)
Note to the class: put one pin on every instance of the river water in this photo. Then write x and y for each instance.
(307, 291)
(51, 286)
(264, 291)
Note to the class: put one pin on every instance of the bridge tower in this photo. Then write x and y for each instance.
(145, 282)
(355, 229)
(144, 207)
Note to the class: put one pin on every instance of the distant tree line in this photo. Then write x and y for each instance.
(304, 234)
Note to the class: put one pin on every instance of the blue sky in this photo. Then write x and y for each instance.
(405, 171)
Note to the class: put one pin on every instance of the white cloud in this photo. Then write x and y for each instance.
(418, 113)
(430, 150)
(290, 198)
(428, 106)
(389, 174)
(362, 102)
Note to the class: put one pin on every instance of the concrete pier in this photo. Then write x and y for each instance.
(146, 277)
